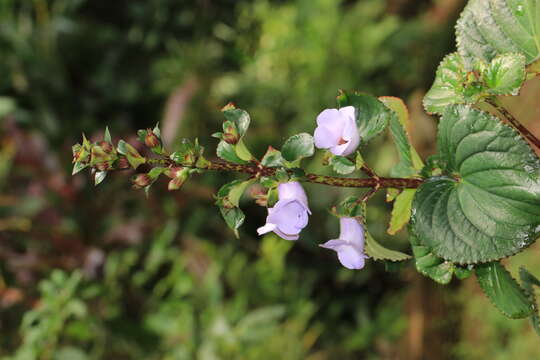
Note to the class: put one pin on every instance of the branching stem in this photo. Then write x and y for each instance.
(376, 182)
(516, 124)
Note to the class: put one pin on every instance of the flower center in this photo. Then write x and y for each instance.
(342, 141)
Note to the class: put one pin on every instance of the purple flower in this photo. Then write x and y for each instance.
(350, 245)
(336, 130)
(290, 214)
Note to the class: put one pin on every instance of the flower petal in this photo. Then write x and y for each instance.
(333, 244)
(328, 117)
(326, 137)
(351, 231)
(348, 112)
(350, 257)
(266, 228)
(293, 190)
(289, 216)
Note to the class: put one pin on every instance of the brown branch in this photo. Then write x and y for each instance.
(525, 133)
(378, 182)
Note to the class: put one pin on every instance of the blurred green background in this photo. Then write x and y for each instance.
(104, 273)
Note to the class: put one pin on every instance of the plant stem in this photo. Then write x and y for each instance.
(377, 182)
(525, 133)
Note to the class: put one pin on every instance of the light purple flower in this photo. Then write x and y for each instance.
(336, 130)
(290, 214)
(350, 245)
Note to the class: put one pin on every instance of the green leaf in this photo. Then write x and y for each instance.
(77, 167)
(107, 135)
(242, 151)
(298, 147)
(359, 162)
(399, 125)
(99, 176)
(228, 198)
(236, 191)
(239, 117)
(227, 152)
(374, 249)
(378, 252)
(486, 204)
(505, 74)
(349, 207)
(489, 28)
(134, 158)
(428, 264)
(528, 281)
(452, 86)
(372, 116)
(272, 158)
(503, 291)
(342, 165)
(401, 212)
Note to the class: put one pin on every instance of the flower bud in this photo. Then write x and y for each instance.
(178, 175)
(122, 163)
(106, 147)
(230, 134)
(151, 140)
(103, 166)
(141, 180)
(173, 172)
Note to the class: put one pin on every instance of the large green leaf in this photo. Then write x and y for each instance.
(488, 28)
(372, 116)
(486, 204)
(503, 291)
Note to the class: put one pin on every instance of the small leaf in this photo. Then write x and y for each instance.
(428, 264)
(399, 125)
(99, 176)
(401, 212)
(505, 74)
(378, 252)
(272, 158)
(234, 217)
(452, 85)
(227, 152)
(77, 167)
(372, 116)
(236, 191)
(503, 291)
(528, 281)
(239, 117)
(107, 136)
(342, 165)
(359, 163)
(134, 158)
(349, 207)
(375, 250)
(298, 147)
(242, 151)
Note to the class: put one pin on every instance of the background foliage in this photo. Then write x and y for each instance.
(106, 273)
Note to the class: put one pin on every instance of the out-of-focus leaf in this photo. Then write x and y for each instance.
(503, 291)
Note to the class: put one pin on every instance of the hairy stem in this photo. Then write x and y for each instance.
(516, 124)
(374, 182)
